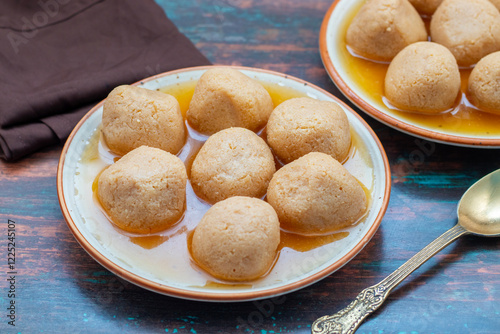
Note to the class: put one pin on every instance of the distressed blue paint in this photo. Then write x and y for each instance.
(439, 180)
(102, 273)
(96, 281)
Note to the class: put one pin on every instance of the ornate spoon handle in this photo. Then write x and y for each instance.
(370, 299)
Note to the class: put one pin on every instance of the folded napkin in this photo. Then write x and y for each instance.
(60, 57)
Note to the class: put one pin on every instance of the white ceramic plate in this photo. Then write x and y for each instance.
(457, 130)
(168, 270)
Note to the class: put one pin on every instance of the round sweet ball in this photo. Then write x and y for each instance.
(484, 84)
(237, 239)
(426, 7)
(232, 162)
(224, 98)
(423, 77)
(134, 116)
(302, 125)
(470, 29)
(144, 191)
(315, 194)
(382, 28)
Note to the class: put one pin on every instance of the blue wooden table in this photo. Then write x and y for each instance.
(61, 289)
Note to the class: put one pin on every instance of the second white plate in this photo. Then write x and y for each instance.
(455, 129)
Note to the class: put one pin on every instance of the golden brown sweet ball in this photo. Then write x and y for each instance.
(484, 84)
(470, 29)
(382, 28)
(134, 116)
(315, 194)
(225, 98)
(423, 77)
(302, 125)
(232, 162)
(237, 239)
(426, 7)
(144, 191)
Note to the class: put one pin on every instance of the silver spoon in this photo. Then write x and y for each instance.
(478, 213)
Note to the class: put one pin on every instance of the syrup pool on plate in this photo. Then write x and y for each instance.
(165, 255)
(370, 76)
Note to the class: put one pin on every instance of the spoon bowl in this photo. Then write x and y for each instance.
(479, 209)
(478, 213)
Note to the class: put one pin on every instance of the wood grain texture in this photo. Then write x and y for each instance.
(61, 289)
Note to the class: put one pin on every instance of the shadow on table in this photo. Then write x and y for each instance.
(453, 272)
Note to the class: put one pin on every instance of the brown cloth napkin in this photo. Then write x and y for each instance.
(60, 57)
